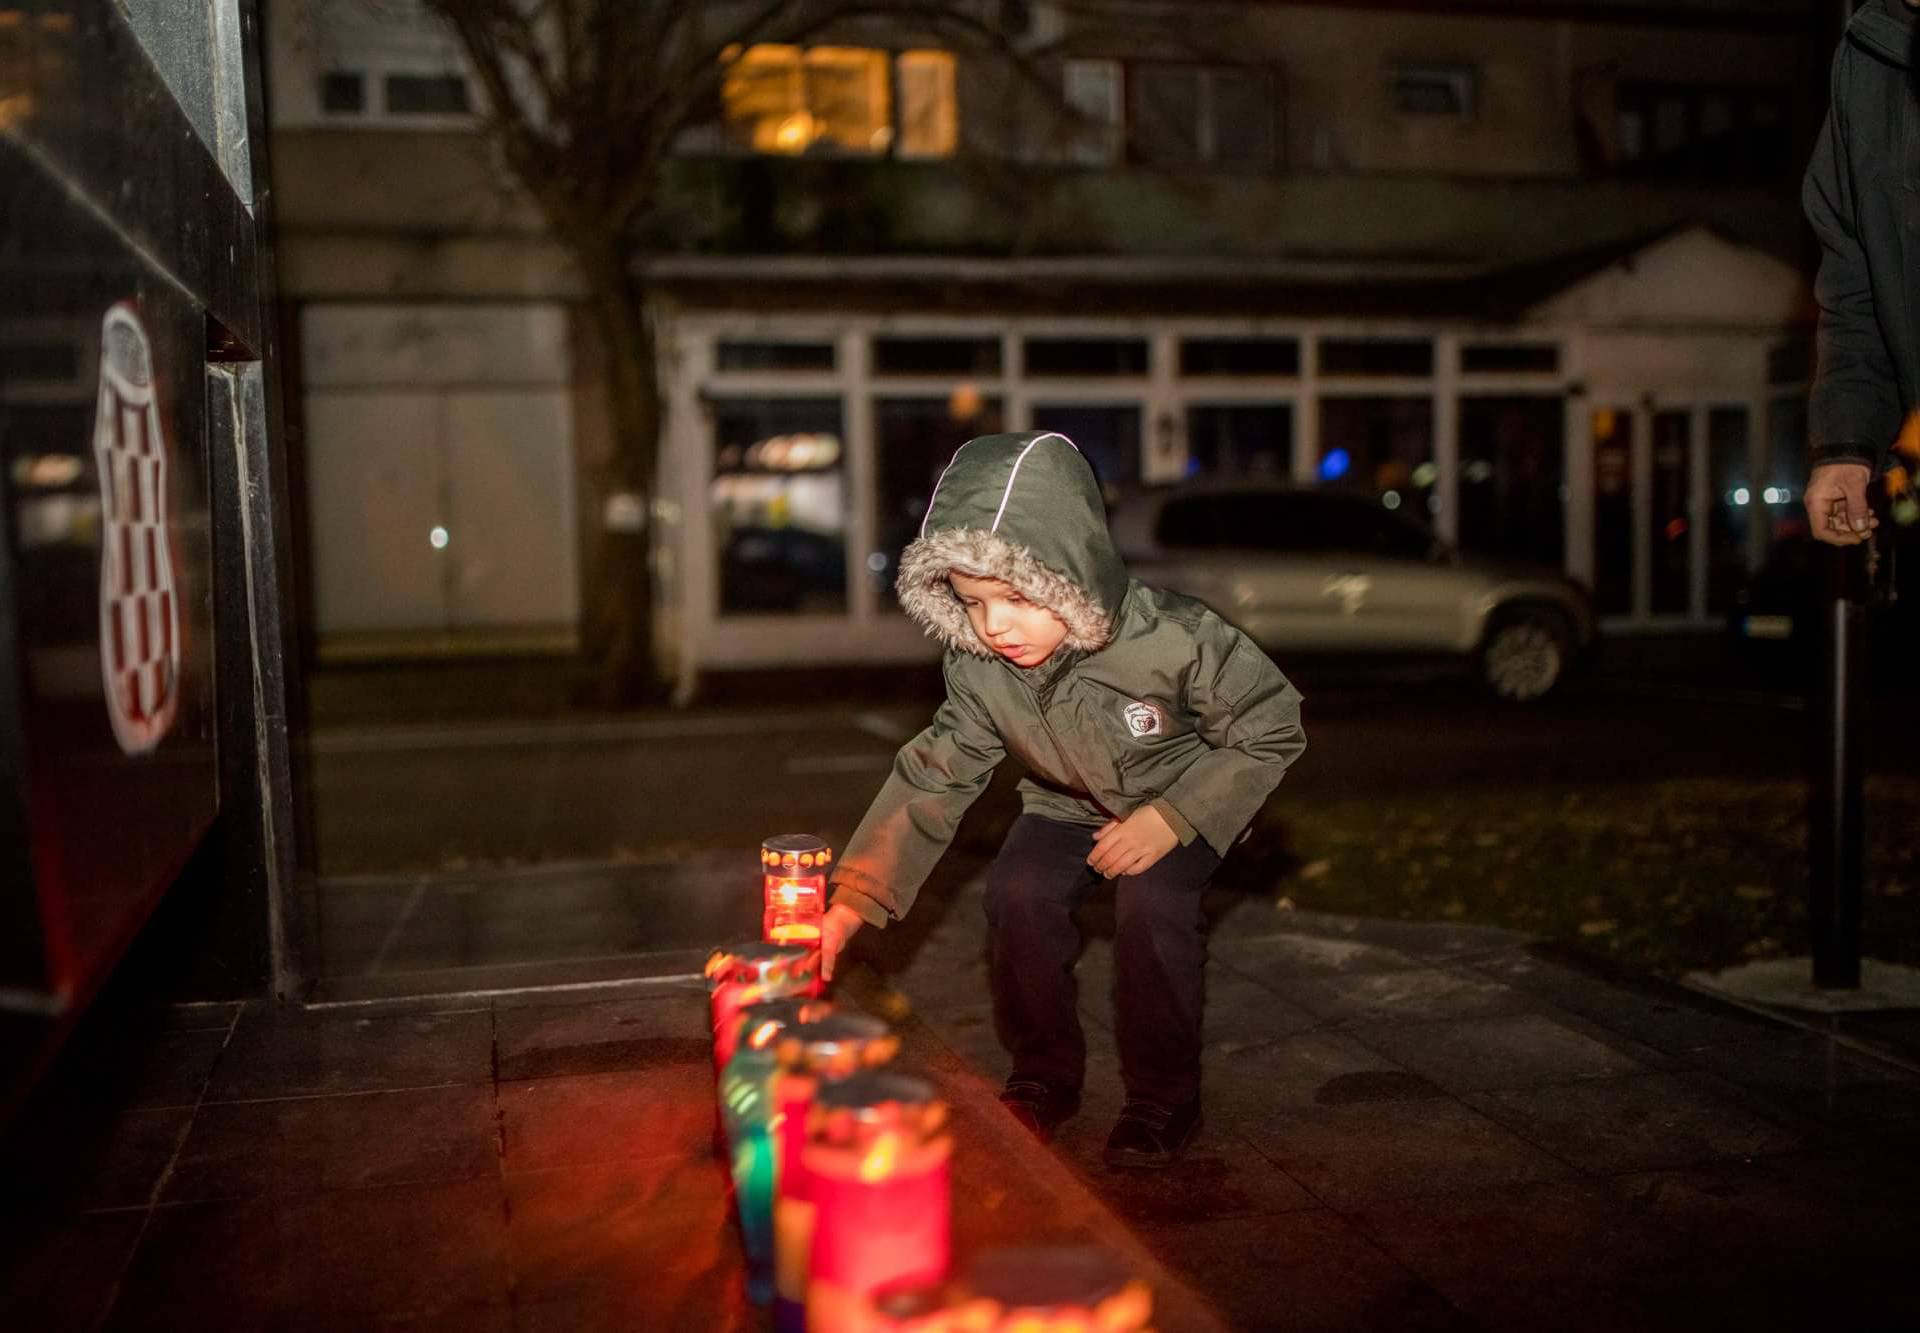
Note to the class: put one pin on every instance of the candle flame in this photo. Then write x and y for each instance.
(879, 1162)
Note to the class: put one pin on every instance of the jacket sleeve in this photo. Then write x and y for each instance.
(935, 777)
(1250, 714)
(1854, 410)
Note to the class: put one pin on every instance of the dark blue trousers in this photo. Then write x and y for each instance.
(1159, 960)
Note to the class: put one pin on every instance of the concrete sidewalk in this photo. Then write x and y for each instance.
(516, 1163)
(1415, 1127)
(1409, 1127)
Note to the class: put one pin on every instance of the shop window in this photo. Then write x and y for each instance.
(1380, 447)
(1091, 357)
(1376, 356)
(1613, 511)
(343, 93)
(428, 95)
(1510, 359)
(1729, 505)
(1203, 115)
(839, 99)
(1512, 479)
(1107, 436)
(1709, 133)
(1240, 356)
(745, 354)
(1240, 441)
(1672, 571)
(779, 505)
(1446, 91)
(915, 439)
(936, 356)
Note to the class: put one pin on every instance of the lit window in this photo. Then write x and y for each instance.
(789, 100)
(929, 123)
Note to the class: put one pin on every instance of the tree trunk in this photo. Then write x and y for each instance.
(617, 602)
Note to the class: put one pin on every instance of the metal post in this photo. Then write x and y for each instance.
(1836, 835)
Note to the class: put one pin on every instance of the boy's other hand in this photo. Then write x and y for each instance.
(1837, 509)
(1129, 846)
(838, 927)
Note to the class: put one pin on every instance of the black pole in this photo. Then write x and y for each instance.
(1836, 831)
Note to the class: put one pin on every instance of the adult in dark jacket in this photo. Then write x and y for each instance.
(1862, 193)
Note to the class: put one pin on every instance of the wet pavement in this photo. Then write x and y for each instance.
(1409, 1127)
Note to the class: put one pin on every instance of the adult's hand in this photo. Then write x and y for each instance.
(1837, 509)
(839, 926)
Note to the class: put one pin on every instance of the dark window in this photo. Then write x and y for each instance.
(1702, 133)
(774, 356)
(343, 92)
(1510, 359)
(1190, 115)
(1240, 440)
(1381, 448)
(427, 95)
(1240, 356)
(936, 356)
(1791, 362)
(1512, 474)
(1434, 90)
(914, 440)
(1107, 436)
(1086, 356)
(1376, 356)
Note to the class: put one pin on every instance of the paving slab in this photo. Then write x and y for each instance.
(291, 1052)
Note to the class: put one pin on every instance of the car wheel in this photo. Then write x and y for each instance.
(1525, 655)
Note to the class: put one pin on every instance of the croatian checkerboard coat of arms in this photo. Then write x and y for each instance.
(139, 607)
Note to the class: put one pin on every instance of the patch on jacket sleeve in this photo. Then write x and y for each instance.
(1144, 719)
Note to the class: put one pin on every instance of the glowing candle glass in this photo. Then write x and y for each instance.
(793, 877)
(747, 1111)
(811, 1056)
(746, 974)
(877, 1165)
(1058, 1289)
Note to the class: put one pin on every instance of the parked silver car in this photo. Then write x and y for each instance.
(1325, 572)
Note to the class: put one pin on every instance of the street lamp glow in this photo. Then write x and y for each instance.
(438, 538)
(1741, 495)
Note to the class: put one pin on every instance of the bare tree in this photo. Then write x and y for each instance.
(586, 100)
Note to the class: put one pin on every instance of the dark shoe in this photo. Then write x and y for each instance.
(1037, 1106)
(1150, 1135)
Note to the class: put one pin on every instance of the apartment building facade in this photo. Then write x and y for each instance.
(1527, 272)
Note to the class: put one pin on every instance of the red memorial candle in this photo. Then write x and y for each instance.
(811, 1056)
(877, 1158)
(746, 974)
(793, 880)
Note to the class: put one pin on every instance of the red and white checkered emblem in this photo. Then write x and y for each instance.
(139, 611)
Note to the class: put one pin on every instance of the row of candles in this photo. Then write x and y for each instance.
(841, 1167)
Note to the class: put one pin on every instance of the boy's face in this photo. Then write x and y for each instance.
(1023, 632)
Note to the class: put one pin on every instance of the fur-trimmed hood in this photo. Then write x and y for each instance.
(1025, 509)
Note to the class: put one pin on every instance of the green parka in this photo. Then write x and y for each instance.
(1151, 699)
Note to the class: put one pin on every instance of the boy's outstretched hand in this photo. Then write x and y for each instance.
(1129, 846)
(838, 927)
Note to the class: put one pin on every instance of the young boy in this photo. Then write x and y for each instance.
(1151, 730)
